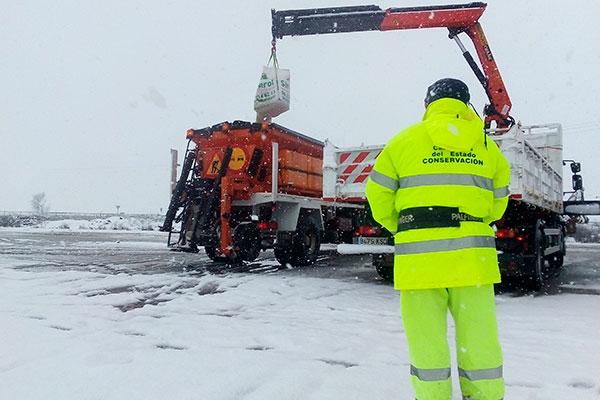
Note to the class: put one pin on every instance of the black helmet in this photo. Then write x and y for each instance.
(447, 87)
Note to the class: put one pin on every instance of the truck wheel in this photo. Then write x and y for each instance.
(386, 272)
(304, 248)
(211, 249)
(330, 233)
(556, 261)
(246, 239)
(539, 274)
(536, 267)
(211, 253)
(384, 265)
(283, 255)
(307, 244)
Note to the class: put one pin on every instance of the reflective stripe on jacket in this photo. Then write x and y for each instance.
(447, 161)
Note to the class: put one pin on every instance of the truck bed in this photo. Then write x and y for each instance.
(534, 153)
(535, 156)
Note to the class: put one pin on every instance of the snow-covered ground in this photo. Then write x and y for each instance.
(74, 332)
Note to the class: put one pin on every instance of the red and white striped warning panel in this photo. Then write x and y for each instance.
(355, 166)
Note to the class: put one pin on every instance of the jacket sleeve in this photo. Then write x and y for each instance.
(381, 191)
(501, 182)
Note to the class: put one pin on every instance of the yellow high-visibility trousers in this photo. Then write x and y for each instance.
(479, 356)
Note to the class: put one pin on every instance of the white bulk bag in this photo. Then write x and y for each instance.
(273, 92)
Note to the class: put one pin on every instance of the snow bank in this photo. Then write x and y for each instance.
(13, 221)
(582, 245)
(111, 223)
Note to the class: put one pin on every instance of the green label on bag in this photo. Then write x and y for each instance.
(266, 84)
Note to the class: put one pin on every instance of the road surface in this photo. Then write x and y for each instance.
(146, 253)
(115, 315)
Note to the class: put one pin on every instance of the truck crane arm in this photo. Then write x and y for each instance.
(459, 18)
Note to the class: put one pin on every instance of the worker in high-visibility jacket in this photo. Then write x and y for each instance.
(437, 186)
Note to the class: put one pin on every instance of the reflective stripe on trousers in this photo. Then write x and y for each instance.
(478, 374)
(441, 374)
(429, 375)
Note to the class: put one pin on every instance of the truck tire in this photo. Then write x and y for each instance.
(556, 260)
(384, 267)
(283, 255)
(304, 248)
(246, 239)
(556, 263)
(538, 272)
(211, 249)
(308, 244)
(211, 253)
(386, 272)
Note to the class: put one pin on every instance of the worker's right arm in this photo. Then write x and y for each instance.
(381, 191)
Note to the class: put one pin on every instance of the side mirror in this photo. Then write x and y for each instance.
(577, 181)
(575, 167)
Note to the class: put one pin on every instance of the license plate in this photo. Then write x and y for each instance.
(379, 241)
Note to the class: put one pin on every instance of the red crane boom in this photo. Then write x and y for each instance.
(459, 18)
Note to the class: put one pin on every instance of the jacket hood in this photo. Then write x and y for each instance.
(452, 124)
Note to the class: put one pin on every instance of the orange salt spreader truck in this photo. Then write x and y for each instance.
(248, 186)
(251, 186)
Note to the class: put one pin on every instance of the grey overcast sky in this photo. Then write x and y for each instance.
(95, 93)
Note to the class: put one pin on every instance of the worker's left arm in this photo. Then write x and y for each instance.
(501, 181)
(381, 191)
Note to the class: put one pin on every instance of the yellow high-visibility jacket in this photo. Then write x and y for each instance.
(445, 160)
